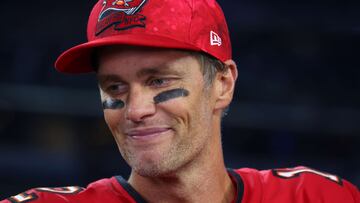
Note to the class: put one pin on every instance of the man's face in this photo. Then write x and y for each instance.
(157, 128)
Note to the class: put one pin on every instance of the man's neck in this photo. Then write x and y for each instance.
(201, 188)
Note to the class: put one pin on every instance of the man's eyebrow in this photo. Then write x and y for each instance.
(108, 78)
(160, 70)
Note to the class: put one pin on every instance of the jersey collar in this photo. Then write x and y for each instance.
(139, 199)
(235, 177)
(130, 190)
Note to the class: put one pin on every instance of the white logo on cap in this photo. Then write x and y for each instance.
(215, 40)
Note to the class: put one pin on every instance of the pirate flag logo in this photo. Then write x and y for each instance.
(120, 14)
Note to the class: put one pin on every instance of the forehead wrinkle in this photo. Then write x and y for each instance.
(147, 71)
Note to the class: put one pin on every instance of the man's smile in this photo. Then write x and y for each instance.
(147, 135)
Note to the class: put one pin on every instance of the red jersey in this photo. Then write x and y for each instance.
(295, 185)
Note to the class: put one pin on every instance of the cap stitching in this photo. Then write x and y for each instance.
(191, 23)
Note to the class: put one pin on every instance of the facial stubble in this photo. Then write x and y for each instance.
(186, 147)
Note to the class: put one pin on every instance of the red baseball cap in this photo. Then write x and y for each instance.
(197, 25)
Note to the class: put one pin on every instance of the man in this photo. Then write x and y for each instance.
(166, 77)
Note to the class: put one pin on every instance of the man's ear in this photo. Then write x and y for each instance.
(225, 84)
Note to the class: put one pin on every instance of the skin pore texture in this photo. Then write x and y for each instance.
(168, 127)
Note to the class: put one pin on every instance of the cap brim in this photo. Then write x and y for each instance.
(78, 59)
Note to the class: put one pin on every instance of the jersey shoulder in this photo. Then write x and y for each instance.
(104, 190)
(298, 184)
(45, 194)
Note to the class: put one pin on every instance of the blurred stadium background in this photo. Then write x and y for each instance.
(297, 98)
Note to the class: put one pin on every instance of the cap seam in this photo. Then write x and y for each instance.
(191, 22)
(151, 34)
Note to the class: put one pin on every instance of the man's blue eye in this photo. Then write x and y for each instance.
(158, 82)
(116, 89)
(113, 88)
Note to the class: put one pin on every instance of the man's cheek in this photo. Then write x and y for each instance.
(112, 119)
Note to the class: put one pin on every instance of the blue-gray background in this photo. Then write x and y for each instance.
(297, 98)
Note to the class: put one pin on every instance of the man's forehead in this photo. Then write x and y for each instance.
(142, 60)
(142, 72)
(105, 50)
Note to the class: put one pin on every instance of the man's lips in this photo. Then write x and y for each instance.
(146, 132)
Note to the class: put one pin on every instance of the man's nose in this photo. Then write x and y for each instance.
(140, 105)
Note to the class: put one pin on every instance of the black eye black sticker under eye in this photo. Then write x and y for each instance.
(113, 104)
(170, 94)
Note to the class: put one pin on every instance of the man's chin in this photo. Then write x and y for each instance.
(151, 171)
(153, 162)
(152, 168)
